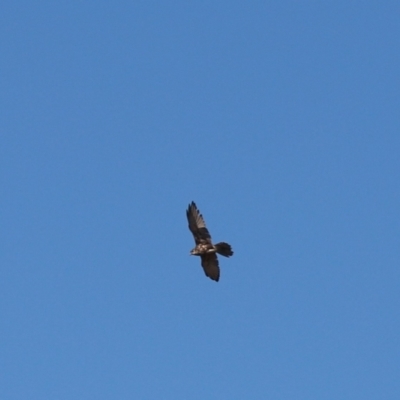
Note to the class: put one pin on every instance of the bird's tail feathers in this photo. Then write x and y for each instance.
(224, 249)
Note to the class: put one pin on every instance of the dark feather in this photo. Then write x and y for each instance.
(224, 249)
(197, 225)
(210, 264)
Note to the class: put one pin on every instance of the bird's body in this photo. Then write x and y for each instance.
(204, 247)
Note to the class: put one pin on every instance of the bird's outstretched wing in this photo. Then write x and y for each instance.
(197, 225)
(209, 262)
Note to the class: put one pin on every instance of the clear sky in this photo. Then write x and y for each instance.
(281, 119)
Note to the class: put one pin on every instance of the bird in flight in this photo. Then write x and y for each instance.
(204, 247)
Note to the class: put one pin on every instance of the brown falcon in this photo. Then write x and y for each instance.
(204, 247)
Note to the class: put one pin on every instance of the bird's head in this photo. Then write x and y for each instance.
(194, 252)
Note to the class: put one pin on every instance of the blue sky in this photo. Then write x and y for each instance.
(280, 119)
